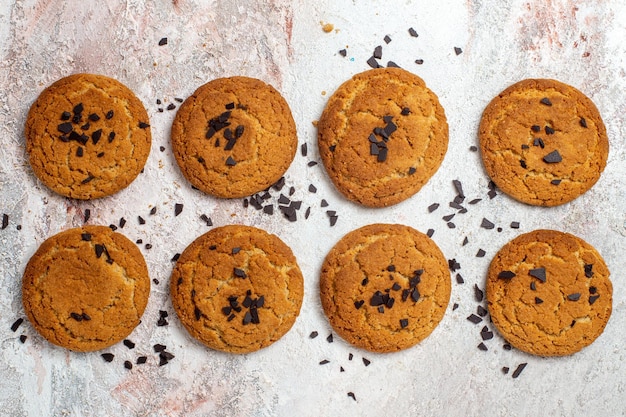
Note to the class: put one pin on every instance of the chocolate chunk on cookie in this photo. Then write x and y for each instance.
(87, 136)
(549, 293)
(85, 288)
(385, 287)
(543, 142)
(237, 289)
(382, 135)
(234, 137)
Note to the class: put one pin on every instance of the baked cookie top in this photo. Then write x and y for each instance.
(549, 293)
(85, 288)
(87, 136)
(234, 137)
(382, 135)
(385, 287)
(237, 289)
(543, 142)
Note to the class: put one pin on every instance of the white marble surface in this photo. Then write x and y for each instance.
(282, 42)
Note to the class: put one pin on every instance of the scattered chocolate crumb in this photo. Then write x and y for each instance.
(313, 335)
(506, 275)
(387, 39)
(143, 125)
(458, 50)
(514, 225)
(519, 370)
(23, 338)
(343, 52)
(324, 362)
(159, 348)
(165, 357)
(455, 306)
(474, 318)
(546, 101)
(473, 148)
(507, 346)
(108, 357)
(128, 365)
(486, 334)
(486, 224)
(505, 370)
(16, 324)
(478, 294)
(366, 362)
(351, 395)
(430, 232)
(419, 61)
(453, 265)
(163, 41)
(178, 208)
(459, 279)
(481, 311)
(141, 360)
(329, 339)
(413, 32)
(129, 344)
(482, 346)
(574, 296)
(480, 253)
(5, 221)
(433, 207)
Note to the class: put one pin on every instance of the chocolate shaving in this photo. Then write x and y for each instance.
(519, 370)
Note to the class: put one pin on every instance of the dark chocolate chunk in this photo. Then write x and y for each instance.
(268, 209)
(453, 265)
(313, 335)
(76, 316)
(506, 275)
(163, 41)
(519, 370)
(539, 142)
(324, 362)
(482, 346)
(329, 339)
(458, 50)
(303, 149)
(366, 362)
(109, 115)
(523, 163)
(448, 217)
(143, 125)
(153, 211)
(197, 313)
(514, 225)
(378, 52)
(535, 128)
(159, 348)
(230, 161)
(546, 101)
(539, 273)
(405, 111)
(413, 32)
(240, 273)
(23, 338)
(574, 297)
(538, 300)
(86, 237)
(593, 298)
(141, 360)
(165, 357)
(553, 157)
(459, 279)
(141, 220)
(430, 232)
(555, 182)
(129, 344)
(404, 323)
(481, 311)
(65, 128)
(108, 357)
(583, 122)
(480, 253)
(589, 270)
(351, 395)
(433, 207)
(178, 208)
(387, 39)
(66, 115)
(486, 334)
(533, 286)
(206, 219)
(111, 136)
(505, 370)
(343, 52)
(87, 215)
(455, 306)
(549, 130)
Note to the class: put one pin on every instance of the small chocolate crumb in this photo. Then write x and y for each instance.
(482, 346)
(313, 335)
(506, 275)
(178, 208)
(129, 344)
(366, 362)
(404, 323)
(324, 362)
(163, 41)
(5, 221)
(329, 339)
(481, 253)
(16, 324)
(351, 395)
(108, 357)
(538, 300)
(430, 232)
(23, 338)
(141, 220)
(514, 225)
(413, 32)
(505, 370)
(455, 306)
(549, 130)
(230, 161)
(486, 224)
(583, 122)
(474, 318)
(458, 50)
(481, 311)
(588, 270)
(419, 61)
(378, 52)
(553, 157)
(593, 298)
(519, 370)
(141, 360)
(159, 348)
(109, 115)
(387, 39)
(343, 52)
(574, 296)
(128, 365)
(478, 294)
(539, 273)
(459, 279)
(433, 207)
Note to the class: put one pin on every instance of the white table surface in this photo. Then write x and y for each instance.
(581, 43)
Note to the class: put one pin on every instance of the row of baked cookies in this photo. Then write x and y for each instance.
(383, 287)
(381, 137)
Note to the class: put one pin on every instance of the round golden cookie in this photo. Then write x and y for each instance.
(85, 288)
(234, 137)
(382, 135)
(543, 142)
(385, 287)
(237, 289)
(87, 136)
(549, 293)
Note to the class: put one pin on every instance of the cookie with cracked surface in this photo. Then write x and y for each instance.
(382, 136)
(85, 288)
(549, 293)
(234, 137)
(385, 287)
(237, 289)
(87, 136)
(543, 142)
